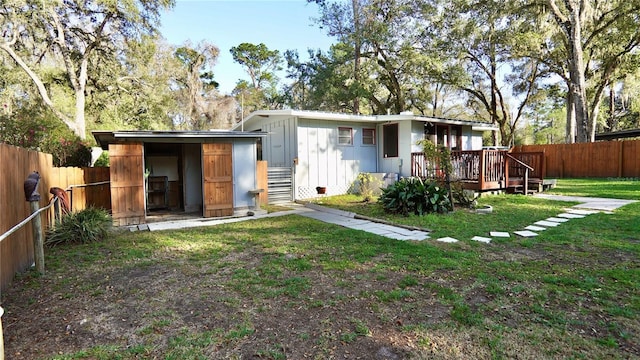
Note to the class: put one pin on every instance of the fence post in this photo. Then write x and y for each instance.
(38, 241)
(1, 335)
(33, 197)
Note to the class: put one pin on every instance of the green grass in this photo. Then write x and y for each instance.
(293, 287)
(616, 188)
(510, 213)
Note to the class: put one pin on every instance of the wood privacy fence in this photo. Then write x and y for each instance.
(597, 159)
(16, 251)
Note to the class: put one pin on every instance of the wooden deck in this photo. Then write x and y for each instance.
(488, 170)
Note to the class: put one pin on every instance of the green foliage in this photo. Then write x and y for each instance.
(464, 197)
(36, 129)
(70, 152)
(412, 196)
(437, 155)
(103, 160)
(367, 184)
(85, 226)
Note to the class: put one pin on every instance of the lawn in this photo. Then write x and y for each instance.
(606, 188)
(292, 288)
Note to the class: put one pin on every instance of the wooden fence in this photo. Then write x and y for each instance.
(16, 251)
(597, 159)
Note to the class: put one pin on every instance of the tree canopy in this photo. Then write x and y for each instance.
(520, 64)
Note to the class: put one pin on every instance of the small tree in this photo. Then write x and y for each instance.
(367, 184)
(440, 156)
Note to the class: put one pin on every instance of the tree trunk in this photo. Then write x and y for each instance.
(356, 62)
(42, 90)
(577, 78)
(570, 137)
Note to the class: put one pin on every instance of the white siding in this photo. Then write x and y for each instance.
(402, 164)
(244, 172)
(476, 140)
(278, 148)
(323, 162)
(417, 134)
(468, 140)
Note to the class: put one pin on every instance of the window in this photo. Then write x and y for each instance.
(390, 140)
(368, 136)
(345, 136)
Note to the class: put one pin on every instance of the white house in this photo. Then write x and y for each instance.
(330, 150)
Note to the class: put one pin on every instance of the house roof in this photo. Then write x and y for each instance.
(256, 116)
(104, 138)
(623, 134)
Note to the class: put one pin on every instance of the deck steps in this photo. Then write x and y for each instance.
(516, 186)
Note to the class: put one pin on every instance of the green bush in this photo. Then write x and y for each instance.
(36, 129)
(103, 160)
(412, 195)
(88, 225)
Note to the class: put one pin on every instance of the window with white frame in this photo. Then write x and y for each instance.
(368, 136)
(345, 136)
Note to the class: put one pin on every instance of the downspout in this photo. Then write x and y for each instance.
(296, 156)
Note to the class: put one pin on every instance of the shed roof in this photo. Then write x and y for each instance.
(104, 138)
(374, 119)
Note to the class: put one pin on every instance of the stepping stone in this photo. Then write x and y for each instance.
(535, 228)
(571, 216)
(582, 212)
(499, 234)
(485, 240)
(546, 223)
(525, 233)
(447, 240)
(557, 219)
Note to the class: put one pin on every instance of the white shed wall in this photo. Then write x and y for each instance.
(244, 172)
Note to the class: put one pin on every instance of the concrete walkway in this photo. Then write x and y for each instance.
(592, 203)
(312, 211)
(348, 220)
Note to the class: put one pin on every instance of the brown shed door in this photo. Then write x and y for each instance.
(127, 183)
(217, 172)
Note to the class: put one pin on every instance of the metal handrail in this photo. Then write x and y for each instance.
(29, 218)
(90, 184)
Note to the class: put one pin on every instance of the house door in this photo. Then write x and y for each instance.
(127, 184)
(217, 173)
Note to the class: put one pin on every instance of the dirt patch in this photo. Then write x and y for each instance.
(280, 302)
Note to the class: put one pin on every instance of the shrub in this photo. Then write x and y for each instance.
(88, 225)
(367, 185)
(412, 195)
(103, 160)
(37, 129)
(71, 151)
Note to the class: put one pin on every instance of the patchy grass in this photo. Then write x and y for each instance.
(291, 287)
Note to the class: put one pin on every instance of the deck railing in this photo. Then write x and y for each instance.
(481, 169)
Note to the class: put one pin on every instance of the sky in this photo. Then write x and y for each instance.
(279, 24)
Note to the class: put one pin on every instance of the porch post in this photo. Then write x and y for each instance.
(483, 169)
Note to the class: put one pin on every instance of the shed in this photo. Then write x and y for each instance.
(203, 173)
